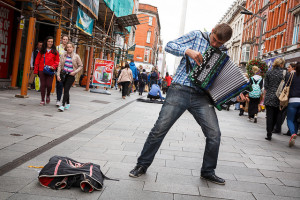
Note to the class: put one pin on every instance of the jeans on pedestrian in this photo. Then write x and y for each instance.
(179, 99)
(292, 123)
(69, 80)
(59, 89)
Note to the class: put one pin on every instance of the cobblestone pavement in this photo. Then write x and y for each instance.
(253, 167)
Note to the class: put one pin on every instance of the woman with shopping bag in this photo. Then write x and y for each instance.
(70, 64)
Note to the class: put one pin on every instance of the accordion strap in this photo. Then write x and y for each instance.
(188, 66)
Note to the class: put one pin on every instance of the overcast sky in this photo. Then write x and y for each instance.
(201, 14)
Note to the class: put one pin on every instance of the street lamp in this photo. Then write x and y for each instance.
(248, 12)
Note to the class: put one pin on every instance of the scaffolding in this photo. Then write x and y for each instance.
(62, 14)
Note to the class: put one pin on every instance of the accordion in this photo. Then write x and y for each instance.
(217, 75)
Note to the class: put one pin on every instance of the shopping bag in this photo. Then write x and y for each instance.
(37, 83)
(146, 88)
(284, 96)
(31, 77)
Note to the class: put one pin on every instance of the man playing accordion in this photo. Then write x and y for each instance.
(184, 95)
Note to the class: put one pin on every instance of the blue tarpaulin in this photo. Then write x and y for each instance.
(84, 22)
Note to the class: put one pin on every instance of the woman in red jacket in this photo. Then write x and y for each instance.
(47, 56)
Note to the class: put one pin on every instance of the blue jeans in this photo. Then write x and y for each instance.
(179, 99)
(59, 89)
(291, 117)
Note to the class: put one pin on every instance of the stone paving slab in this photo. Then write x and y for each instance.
(253, 168)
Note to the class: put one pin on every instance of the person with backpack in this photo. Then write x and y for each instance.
(272, 81)
(256, 83)
(143, 81)
(153, 78)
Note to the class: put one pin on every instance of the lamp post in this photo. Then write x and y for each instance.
(248, 12)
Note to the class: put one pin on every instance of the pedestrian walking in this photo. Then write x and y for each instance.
(59, 84)
(294, 103)
(169, 80)
(31, 84)
(184, 95)
(153, 78)
(125, 79)
(135, 74)
(256, 83)
(70, 64)
(272, 81)
(48, 56)
(143, 81)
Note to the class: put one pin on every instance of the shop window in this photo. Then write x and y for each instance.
(296, 29)
(148, 36)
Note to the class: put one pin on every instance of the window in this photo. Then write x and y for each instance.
(265, 2)
(245, 53)
(146, 55)
(148, 36)
(296, 29)
(150, 21)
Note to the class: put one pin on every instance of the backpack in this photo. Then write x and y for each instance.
(256, 90)
(153, 75)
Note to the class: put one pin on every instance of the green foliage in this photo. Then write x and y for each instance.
(263, 67)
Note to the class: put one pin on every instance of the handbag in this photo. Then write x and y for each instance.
(47, 70)
(284, 96)
(280, 87)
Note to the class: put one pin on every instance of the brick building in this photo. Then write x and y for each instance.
(147, 37)
(280, 37)
(252, 27)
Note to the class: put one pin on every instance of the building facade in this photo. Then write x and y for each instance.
(252, 29)
(236, 21)
(147, 37)
(280, 33)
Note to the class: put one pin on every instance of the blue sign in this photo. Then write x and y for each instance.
(84, 22)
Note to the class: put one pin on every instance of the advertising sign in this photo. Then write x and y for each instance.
(91, 5)
(6, 23)
(103, 72)
(84, 22)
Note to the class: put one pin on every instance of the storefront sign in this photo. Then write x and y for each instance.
(91, 5)
(84, 22)
(103, 72)
(6, 23)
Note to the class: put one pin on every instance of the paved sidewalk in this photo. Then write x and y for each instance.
(253, 167)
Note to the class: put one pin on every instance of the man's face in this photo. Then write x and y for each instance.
(39, 46)
(65, 40)
(214, 41)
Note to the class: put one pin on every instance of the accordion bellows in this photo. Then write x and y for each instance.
(220, 77)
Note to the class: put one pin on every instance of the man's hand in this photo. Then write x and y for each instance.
(58, 78)
(73, 73)
(195, 55)
(241, 98)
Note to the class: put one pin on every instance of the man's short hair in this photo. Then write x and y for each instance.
(223, 32)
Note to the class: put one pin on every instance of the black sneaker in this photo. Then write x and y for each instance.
(214, 179)
(137, 171)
